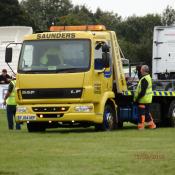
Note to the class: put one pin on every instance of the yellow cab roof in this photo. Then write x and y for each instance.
(71, 32)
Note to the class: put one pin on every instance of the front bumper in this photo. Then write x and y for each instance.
(58, 113)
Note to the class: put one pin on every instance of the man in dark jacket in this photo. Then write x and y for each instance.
(4, 77)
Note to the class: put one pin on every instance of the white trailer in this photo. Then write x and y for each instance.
(163, 62)
(12, 34)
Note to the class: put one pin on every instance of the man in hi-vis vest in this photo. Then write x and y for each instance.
(143, 96)
(10, 103)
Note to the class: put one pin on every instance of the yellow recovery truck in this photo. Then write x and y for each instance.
(73, 76)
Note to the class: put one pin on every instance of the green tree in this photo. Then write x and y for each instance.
(12, 14)
(168, 16)
(135, 37)
(46, 12)
(109, 19)
(79, 15)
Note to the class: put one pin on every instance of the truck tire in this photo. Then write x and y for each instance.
(36, 127)
(171, 114)
(120, 124)
(109, 119)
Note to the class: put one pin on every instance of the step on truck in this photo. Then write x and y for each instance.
(73, 76)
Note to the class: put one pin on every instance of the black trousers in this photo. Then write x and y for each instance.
(144, 110)
(11, 111)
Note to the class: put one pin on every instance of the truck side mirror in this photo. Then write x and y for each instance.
(8, 55)
(105, 59)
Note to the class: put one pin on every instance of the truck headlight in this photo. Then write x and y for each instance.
(21, 109)
(83, 108)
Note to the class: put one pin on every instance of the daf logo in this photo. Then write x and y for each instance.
(75, 91)
(28, 92)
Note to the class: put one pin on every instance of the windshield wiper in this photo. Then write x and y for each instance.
(70, 69)
(33, 71)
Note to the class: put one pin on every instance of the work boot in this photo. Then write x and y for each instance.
(151, 125)
(140, 126)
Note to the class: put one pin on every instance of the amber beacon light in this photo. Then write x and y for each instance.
(78, 28)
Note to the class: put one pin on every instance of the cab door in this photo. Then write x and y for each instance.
(102, 74)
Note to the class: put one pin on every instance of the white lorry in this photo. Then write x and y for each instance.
(11, 34)
(163, 62)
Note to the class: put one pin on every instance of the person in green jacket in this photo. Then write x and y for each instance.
(143, 97)
(10, 103)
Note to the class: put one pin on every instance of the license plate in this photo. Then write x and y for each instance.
(26, 117)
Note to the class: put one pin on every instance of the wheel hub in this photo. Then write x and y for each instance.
(173, 113)
(109, 119)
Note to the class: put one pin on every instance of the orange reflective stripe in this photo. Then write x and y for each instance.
(142, 118)
(151, 116)
(142, 106)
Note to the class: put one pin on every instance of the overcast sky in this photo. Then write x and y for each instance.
(127, 7)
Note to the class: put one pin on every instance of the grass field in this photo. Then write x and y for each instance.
(86, 152)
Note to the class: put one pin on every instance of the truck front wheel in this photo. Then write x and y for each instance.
(171, 114)
(109, 119)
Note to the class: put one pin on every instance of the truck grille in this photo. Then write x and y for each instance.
(51, 93)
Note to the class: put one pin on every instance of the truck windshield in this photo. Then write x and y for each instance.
(54, 56)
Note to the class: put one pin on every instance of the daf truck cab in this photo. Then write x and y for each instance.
(65, 77)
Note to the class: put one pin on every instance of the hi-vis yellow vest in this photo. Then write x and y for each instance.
(147, 98)
(11, 99)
